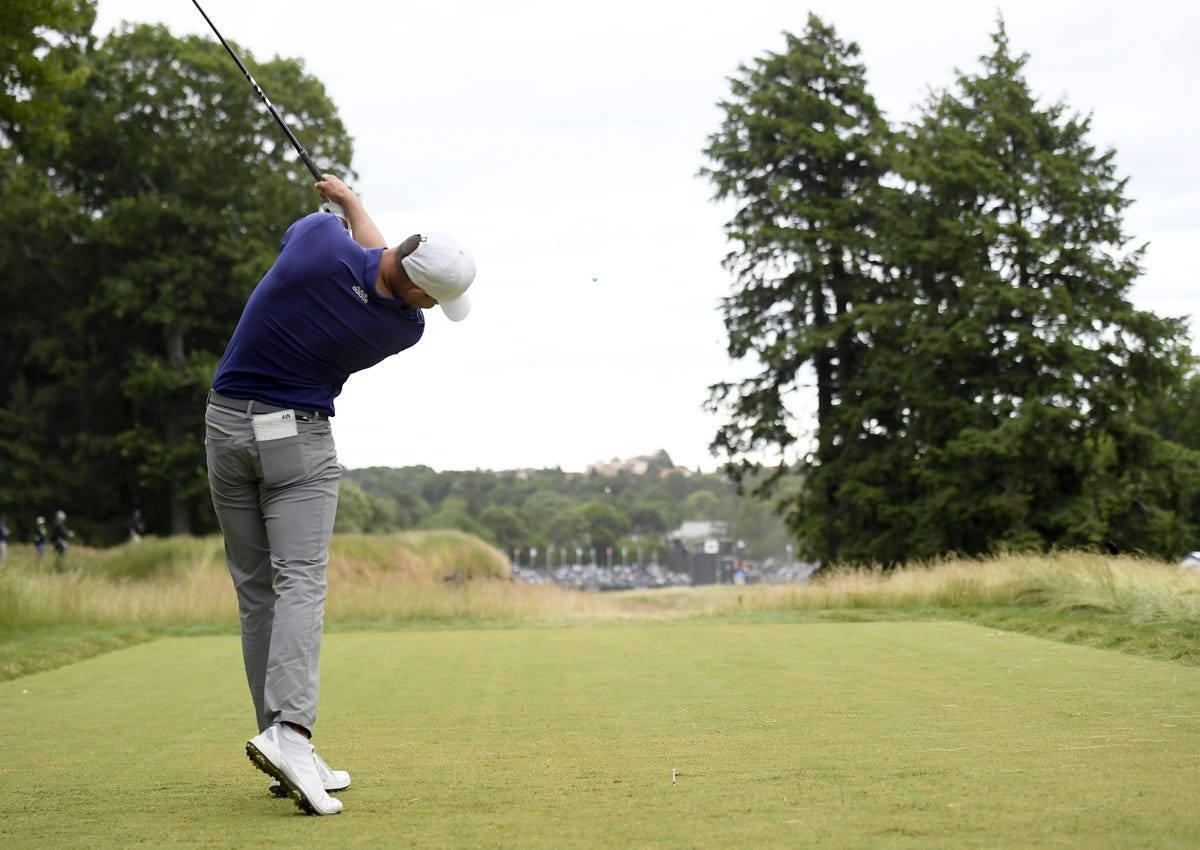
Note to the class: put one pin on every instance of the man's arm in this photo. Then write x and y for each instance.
(364, 230)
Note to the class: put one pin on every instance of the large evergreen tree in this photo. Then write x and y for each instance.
(996, 384)
(800, 151)
(1020, 358)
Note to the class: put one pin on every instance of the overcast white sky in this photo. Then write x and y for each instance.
(561, 142)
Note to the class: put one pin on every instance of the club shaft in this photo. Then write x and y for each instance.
(307, 160)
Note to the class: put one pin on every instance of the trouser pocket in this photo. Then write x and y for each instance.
(307, 455)
(283, 460)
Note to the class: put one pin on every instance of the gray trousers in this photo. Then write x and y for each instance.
(276, 501)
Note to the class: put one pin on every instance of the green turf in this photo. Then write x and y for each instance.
(887, 734)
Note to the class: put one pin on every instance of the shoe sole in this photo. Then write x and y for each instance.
(289, 788)
(281, 792)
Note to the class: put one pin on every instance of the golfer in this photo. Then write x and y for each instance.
(331, 305)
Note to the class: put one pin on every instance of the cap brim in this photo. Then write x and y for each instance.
(457, 309)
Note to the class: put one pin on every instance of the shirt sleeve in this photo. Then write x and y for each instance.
(288, 235)
(312, 223)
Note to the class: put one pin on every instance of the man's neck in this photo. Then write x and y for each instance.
(383, 279)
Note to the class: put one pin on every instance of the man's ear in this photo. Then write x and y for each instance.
(401, 273)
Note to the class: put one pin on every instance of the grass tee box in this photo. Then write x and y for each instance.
(830, 734)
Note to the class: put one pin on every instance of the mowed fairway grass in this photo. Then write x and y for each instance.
(890, 734)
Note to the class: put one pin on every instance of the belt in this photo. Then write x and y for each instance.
(250, 408)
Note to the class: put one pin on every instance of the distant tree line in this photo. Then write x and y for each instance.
(956, 289)
(551, 508)
(143, 192)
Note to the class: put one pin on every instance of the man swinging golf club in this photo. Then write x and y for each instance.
(331, 305)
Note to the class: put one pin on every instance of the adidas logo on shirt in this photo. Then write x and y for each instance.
(361, 293)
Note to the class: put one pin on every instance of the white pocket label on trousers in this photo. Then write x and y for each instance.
(274, 426)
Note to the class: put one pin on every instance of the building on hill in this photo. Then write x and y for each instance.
(637, 465)
(640, 465)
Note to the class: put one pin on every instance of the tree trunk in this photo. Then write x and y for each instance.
(181, 515)
(823, 365)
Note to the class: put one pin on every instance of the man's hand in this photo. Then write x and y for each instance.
(333, 189)
(337, 208)
(363, 230)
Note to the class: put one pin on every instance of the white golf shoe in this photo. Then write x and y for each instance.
(293, 763)
(333, 780)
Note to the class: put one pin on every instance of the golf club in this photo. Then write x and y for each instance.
(328, 206)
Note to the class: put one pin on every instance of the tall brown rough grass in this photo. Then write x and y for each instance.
(1142, 590)
(450, 576)
(416, 575)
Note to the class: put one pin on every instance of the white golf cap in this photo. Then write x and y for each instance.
(444, 269)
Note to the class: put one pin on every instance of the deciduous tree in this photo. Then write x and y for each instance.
(187, 186)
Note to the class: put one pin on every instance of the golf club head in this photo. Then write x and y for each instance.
(336, 209)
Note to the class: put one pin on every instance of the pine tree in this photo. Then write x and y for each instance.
(960, 290)
(801, 151)
(1015, 357)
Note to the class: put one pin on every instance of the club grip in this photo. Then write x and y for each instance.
(307, 160)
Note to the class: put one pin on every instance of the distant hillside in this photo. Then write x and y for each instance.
(631, 504)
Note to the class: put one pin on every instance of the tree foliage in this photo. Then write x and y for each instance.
(359, 511)
(132, 244)
(988, 381)
(801, 150)
(552, 509)
(505, 527)
(38, 62)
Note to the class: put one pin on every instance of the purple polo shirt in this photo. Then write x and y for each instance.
(313, 320)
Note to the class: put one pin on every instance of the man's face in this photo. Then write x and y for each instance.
(418, 297)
